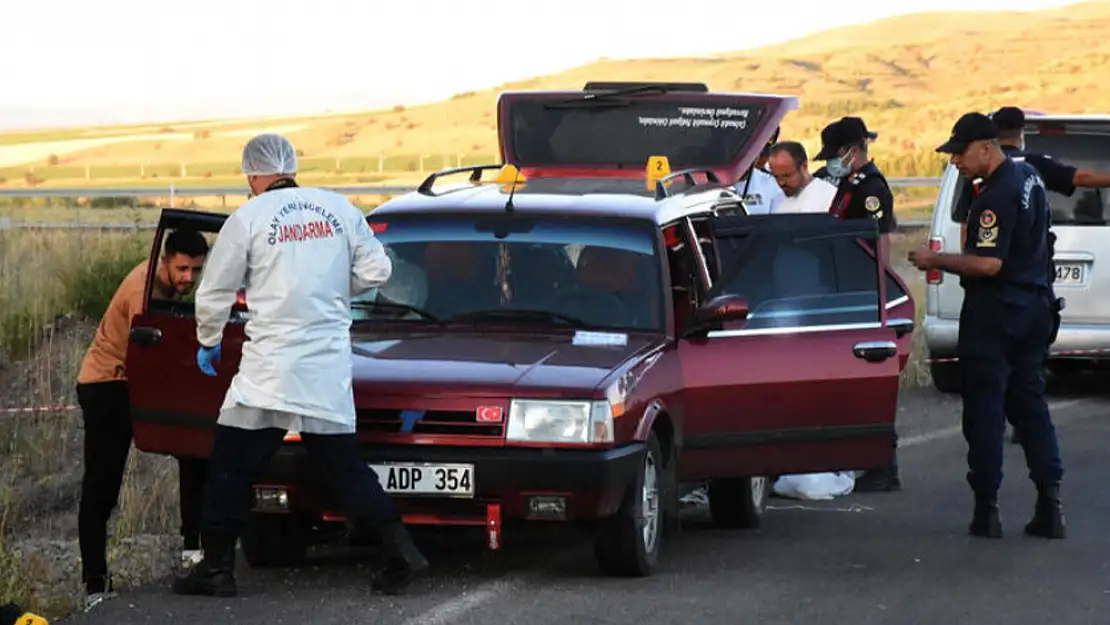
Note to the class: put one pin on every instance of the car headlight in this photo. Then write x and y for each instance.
(557, 421)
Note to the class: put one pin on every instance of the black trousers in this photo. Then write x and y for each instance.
(239, 456)
(1002, 346)
(106, 411)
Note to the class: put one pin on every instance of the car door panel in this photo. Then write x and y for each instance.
(174, 406)
(809, 382)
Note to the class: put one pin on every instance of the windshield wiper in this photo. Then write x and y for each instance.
(397, 306)
(607, 99)
(519, 314)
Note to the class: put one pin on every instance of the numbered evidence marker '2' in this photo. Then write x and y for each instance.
(11, 614)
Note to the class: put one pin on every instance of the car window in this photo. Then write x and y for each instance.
(1085, 207)
(794, 281)
(604, 272)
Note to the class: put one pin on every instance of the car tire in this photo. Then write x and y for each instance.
(946, 376)
(274, 540)
(628, 543)
(739, 503)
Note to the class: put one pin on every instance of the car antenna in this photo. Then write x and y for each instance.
(509, 205)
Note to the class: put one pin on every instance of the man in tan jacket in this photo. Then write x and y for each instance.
(103, 395)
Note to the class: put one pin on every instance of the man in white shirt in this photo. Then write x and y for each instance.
(761, 193)
(803, 193)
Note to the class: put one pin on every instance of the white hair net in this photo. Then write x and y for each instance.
(269, 154)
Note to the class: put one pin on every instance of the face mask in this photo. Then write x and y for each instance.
(838, 167)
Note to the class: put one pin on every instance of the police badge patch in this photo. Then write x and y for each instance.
(871, 204)
(987, 219)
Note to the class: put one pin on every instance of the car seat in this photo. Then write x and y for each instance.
(460, 277)
(625, 275)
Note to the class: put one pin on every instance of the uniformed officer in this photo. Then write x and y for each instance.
(862, 193)
(1005, 324)
(862, 189)
(1058, 177)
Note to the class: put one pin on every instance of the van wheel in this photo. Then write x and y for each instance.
(739, 502)
(274, 540)
(946, 376)
(628, 543)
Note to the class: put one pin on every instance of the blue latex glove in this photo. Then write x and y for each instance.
(206, 356)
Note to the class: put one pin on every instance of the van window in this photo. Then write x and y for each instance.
(1085, 207)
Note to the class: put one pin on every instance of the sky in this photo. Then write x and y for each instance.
(73, 62)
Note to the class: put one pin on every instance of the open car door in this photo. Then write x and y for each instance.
(807, 381)
(174, 406)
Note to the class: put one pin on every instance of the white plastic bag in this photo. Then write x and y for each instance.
(815, 486)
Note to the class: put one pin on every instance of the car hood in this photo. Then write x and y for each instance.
(486, 365)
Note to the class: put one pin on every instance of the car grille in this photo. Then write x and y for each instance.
(448, 423)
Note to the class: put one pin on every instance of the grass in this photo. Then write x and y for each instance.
(909, 77)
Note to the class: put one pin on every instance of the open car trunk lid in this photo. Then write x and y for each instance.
(570, 133)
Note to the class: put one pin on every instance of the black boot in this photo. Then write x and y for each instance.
(1048, 515)
(986, 522)
(214, 576)
(403, 561)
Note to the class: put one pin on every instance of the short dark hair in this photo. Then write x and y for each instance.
(796, 150)
(189, 242)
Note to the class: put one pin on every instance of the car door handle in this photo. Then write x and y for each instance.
(875, 351)
(145, 336)
(901, 326)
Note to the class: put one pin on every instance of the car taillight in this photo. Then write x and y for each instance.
(935, 276)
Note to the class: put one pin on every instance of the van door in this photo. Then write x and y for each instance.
(809, 381)
(1081, 227)
(174, 406)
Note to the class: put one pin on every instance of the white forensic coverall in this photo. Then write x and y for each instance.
(302, 254)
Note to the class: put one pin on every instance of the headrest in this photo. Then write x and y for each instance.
(608, 269)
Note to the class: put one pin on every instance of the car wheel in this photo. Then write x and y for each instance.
(628, 543)
(272, 540)
(739, 502)
(946, 376)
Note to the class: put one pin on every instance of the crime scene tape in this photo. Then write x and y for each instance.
(34, 409)
(1074, 352)
(11, 614)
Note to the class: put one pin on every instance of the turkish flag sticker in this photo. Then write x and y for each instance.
(489, 414)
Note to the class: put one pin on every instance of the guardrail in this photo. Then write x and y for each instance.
(172, 190)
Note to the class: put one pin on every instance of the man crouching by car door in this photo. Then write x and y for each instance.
(302, 254)
(102, 392)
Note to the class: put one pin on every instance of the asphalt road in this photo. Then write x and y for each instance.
(867, 559)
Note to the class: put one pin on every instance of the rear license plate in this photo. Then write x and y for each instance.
(1070, 273)
(417, 478)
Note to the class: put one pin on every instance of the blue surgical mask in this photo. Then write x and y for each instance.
(839, 167)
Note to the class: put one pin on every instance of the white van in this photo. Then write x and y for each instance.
(1082, 252)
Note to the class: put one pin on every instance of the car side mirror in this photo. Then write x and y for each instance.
(722, 308)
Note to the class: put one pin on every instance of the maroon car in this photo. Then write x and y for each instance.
(574, 339)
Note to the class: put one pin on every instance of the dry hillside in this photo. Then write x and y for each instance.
(909, 77)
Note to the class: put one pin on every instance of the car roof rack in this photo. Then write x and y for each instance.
(475, 172)
(597, 85)
(661, 192)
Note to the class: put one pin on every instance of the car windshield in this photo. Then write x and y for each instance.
(595, 273)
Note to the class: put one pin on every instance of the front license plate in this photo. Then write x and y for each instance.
(416, 478)
(1070, 273)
